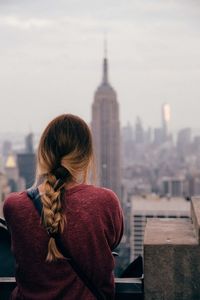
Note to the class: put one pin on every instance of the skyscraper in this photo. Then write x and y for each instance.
(139, 131)
(12, 173)
(29, 143)
(27, 162)
(166, 116)
(106, 133)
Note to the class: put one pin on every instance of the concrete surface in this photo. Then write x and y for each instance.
(172, 258)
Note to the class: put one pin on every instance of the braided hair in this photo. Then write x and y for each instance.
(64, 155)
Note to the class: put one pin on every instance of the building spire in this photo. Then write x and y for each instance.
(105, 62)
(105, 46)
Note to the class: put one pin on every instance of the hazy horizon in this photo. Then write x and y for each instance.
(51, 60)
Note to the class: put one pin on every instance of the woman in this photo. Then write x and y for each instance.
(87, 219)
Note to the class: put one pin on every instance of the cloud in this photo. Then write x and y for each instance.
(25, 23)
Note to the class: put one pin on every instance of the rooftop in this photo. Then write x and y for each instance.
(171, 256)
(150, 203)
(167, 231)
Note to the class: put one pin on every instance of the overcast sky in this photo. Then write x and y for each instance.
(51, 59)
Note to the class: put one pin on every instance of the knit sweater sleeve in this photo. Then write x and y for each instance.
(115, 219)
(7, 209)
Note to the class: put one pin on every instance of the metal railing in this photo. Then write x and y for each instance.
(126, 288)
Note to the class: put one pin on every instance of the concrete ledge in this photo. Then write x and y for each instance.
(169, 231)
(7, 279)
(129, 286)
(195, 215)
(171, 260)
(126, 288)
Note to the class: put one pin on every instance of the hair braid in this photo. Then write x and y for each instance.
(53, 218)
(65, 155)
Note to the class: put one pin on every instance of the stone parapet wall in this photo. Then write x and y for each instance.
(172, 257)
(195, 215)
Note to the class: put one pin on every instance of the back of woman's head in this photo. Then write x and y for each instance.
(64, 155)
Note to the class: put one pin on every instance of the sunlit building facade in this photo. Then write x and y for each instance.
(166, 117)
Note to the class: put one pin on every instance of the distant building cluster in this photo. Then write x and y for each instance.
(160, 174)
(159, 164)
(17, 169)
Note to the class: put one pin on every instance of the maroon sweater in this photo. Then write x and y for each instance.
(94, 227)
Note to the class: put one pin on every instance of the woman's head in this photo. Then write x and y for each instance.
(66, 142)
(64, 155)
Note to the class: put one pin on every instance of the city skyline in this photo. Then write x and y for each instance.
(51, 56)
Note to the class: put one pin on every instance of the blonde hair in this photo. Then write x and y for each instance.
(65, 146)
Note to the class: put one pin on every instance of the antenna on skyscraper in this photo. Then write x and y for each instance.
(105, 62)
(105, 45)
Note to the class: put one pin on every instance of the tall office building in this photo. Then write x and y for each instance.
(27, 162)
(166, 117)
(184, 139)
(139, 131)
(106, 133)
(15, 182)
(4, 190)
(6, 148)
(12, 172)
(29, 143)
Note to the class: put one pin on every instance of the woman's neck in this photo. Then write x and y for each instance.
(71, 184)
(67, 186)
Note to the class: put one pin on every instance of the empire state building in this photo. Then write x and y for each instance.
(106, 133)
